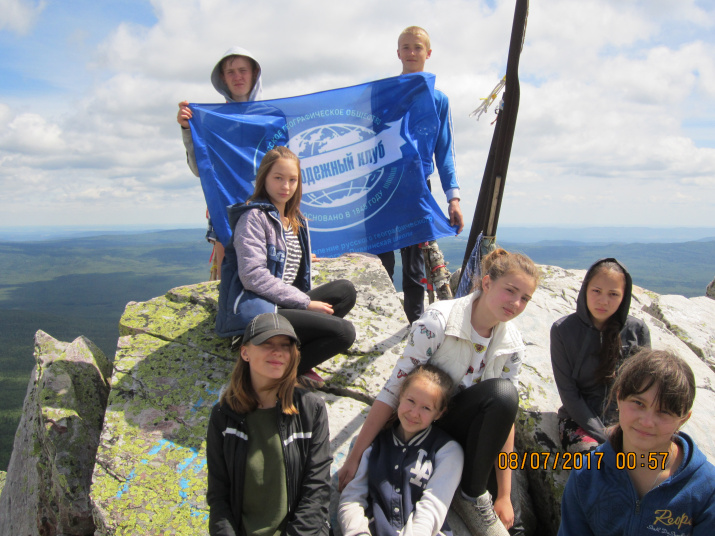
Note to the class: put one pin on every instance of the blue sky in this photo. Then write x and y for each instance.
(616, 124)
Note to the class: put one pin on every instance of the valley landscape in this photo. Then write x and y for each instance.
(79, 284)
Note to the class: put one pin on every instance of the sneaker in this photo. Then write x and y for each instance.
(311, 380)
(479, 516)
(236, 343)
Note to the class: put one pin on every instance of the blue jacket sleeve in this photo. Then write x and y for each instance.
(444, 149)
(573, 519)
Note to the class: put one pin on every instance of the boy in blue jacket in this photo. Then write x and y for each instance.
(413, 50)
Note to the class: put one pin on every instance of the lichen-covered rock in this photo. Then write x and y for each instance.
(3, 476)
(380, 325)
(169, 369)
(150, 475)
(47, 486)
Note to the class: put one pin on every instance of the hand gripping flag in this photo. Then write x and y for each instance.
(364, 152)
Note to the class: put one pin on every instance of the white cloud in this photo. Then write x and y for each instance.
(608, 90)
(19, 16)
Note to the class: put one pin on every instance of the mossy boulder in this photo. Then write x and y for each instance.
(50, 470)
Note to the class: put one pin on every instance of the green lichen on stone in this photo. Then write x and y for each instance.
(3, 477)
(183, 322)
(680, 333)
(151, 471)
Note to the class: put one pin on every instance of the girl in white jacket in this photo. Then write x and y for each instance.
(472, 339)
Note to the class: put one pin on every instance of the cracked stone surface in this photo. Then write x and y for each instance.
(150, 471)
(46, 489)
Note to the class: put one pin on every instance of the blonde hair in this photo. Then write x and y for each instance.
(292, 208)
(500, 262)
(242, 398)
(417, 32)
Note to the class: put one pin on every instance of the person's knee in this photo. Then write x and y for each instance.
(348, 334)
(505, 397)
(349, 293)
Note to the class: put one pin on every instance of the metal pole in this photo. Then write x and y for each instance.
(486, 213)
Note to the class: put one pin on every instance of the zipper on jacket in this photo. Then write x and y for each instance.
(285, 244)
(289, 483)
(638, 506)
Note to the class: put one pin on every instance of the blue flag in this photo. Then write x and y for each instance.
(364, 153)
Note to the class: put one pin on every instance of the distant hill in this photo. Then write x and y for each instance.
(80, 285)
(666, 268)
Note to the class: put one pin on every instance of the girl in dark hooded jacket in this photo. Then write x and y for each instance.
(586, 349)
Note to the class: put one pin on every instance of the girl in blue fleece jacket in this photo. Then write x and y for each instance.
(649, 478)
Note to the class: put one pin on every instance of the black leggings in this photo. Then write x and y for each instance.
(321, 335)
(480, 419)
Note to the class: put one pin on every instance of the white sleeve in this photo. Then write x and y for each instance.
(353, 501)
(426, 336)
(512, 367)
(431, 510)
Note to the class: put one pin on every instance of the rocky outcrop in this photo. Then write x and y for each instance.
(50, 470)
(710, 290)
(150, 470)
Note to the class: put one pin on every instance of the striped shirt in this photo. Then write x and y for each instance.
(293, 255)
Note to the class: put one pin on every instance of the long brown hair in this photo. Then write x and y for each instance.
(611, 353)
(292, 208)
(240, 395)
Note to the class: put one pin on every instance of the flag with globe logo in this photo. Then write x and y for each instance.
(364, 152)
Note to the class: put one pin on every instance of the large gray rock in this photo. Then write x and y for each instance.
(47, 486)
(689, 319)
(150, 475)
(710, 290)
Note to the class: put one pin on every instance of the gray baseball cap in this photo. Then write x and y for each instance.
(268, 325)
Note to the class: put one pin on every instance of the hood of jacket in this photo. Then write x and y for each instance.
(622, 312)
(236, 211)
(221, 86)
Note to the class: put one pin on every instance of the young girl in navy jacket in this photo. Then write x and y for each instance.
(407, 477)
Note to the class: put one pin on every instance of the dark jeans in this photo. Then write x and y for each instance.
(480, 418)
(413, 272)
(321, 335)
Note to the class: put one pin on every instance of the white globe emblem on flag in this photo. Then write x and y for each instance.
(343, 166)
(326, 139)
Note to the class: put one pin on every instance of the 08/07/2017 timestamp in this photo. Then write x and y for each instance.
(576, 460)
